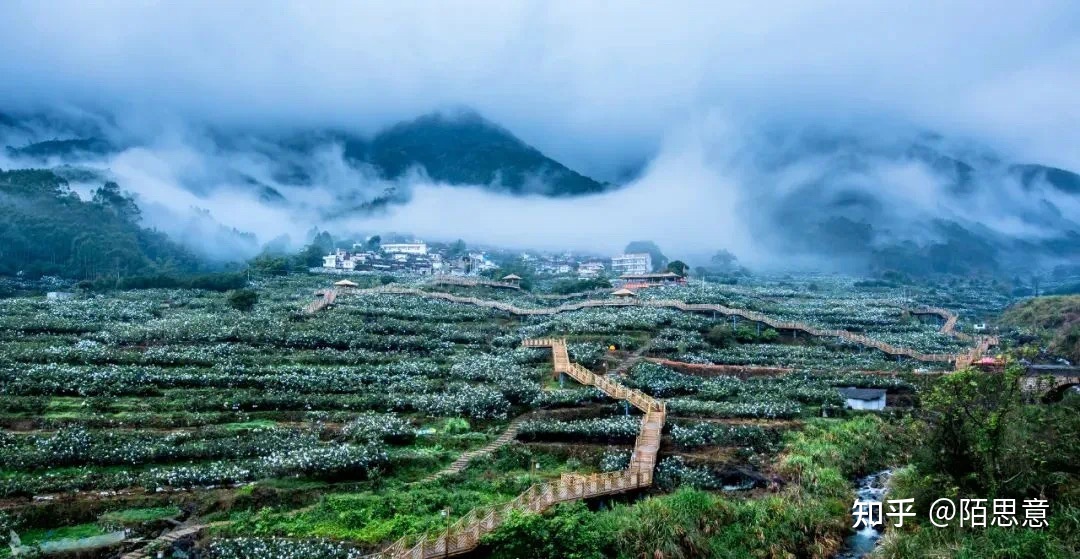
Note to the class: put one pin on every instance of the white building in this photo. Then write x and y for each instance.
(587, 270)
(418, 248)
(639, 263)
(863, 398)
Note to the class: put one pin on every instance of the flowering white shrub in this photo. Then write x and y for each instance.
(693, 435)
(762, 410)
(615, 460)
(619, 428)
(280, 548)
(478, 401)
(387, 427)
(673, 471)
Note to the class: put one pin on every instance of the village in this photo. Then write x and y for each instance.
(626, 272)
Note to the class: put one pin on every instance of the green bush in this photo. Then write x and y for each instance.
(568, 531)
(242, 299)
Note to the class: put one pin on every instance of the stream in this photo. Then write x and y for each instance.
(860, 543)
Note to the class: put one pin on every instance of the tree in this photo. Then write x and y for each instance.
(724, 260)
(659, 261)
(373, 243)
(678, 267)
(457, 249)
(122, 204)
(311, 256)
(721, 336)
(965, 417)
(242, 299)
(45, 229)
(267, 265)
(324, 241)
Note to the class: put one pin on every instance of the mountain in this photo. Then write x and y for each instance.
(458, 149)
(918, 205)
(73, 149)
(46, 229)
(467, 149)
(864, 199)
(1029, 175)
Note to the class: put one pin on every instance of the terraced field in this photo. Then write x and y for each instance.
(334, 423)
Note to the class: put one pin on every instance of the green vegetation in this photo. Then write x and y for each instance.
(807, 518)
(89, 530)
(318, 434)
(565, 287)
(45, 229)
(1055, 320)
(976, 438)
(242, 299)
(467, 149)
(138, 516)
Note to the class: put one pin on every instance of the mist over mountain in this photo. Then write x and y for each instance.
(860, 136)
(811, 196)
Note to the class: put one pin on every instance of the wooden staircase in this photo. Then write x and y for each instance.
(464, 535)
(326, 298)
(164, 540)
(462, 461)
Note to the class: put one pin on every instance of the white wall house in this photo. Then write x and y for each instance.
(639, 263)
(418, 248)
(590, 269)
(863, 398)
(330, 261)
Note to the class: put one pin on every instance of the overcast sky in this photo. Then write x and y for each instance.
(595, 84)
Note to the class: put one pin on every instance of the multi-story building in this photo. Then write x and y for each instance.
(418, 248)
(637, 263)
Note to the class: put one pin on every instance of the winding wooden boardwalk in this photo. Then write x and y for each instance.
(464, 535)
(165, 540)
(961, 360)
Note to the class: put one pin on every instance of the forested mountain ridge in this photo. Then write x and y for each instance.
(460, 149)
(467, 149)
(46, 229)
(855, 200)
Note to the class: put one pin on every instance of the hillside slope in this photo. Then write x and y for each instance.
(45, 229)
(1056, 318)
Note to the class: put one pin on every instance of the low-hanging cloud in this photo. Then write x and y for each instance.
(716, 99)
(592, 84)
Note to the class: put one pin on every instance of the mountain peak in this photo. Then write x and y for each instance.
(463, 147)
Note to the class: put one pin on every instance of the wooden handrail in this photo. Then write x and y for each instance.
(464, 535)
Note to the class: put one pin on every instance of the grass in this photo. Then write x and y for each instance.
(79, 531)
(808, 518)
(248, 425)
(386, 510)
(1056, 319)
(139, 515)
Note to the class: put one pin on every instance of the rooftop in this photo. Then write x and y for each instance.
(862, 393)
(664, 275)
